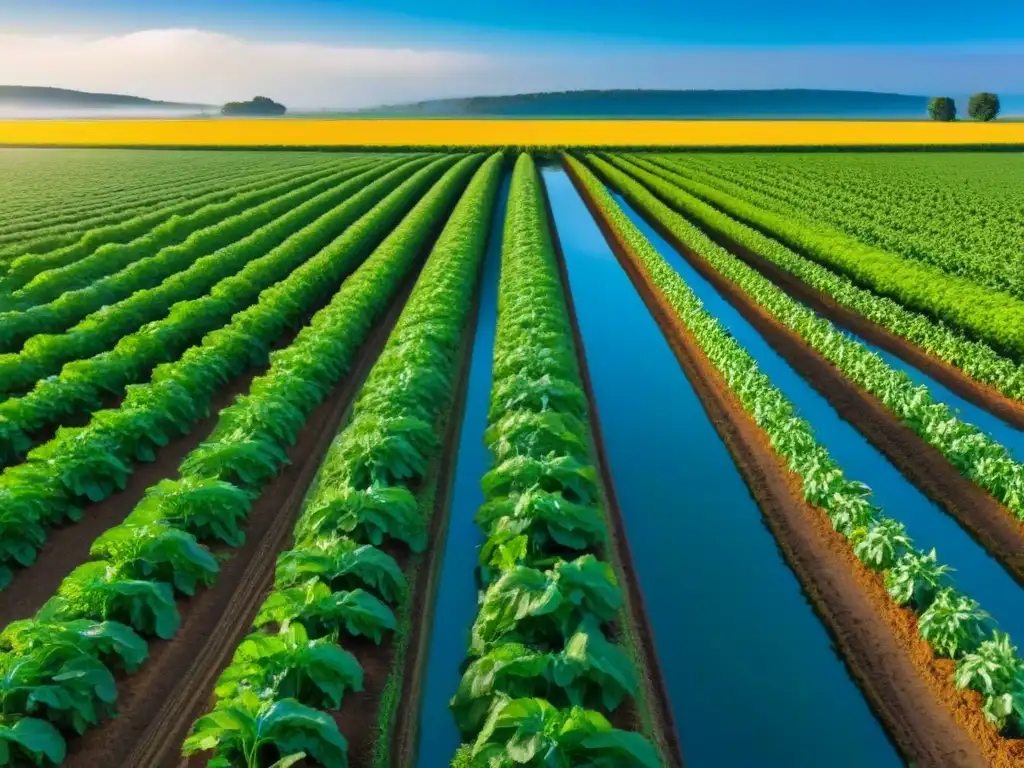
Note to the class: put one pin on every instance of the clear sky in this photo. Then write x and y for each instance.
(355, 53)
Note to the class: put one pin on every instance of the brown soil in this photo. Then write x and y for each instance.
(655, 694)
(68, 546)
(978, 512)
(158, 705)
(983, 395)
(931, 722)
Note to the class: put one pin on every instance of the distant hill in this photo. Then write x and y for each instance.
(63, 98)
(786, 103)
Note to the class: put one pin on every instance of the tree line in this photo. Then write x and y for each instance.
(981, 106)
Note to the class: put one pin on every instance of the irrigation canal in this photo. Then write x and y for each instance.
(456, 603)
(736, 638)
(976, 572)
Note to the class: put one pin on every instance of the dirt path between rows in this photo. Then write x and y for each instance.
(912, 693)
(158, 705)
(655, 693)
(983, 517)
(68, 545)
(982, 395)
(980, 514)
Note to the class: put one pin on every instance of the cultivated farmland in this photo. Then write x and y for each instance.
(486, 459)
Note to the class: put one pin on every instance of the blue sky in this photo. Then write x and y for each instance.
(355, 53)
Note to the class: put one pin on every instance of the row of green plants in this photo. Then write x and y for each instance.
(960, 213)
(113, 224)
(994, 317)
(974, 454)
(975, 358)
(106, 610)
(43, 355)
(36, 279)
(79, 184)
(83, 385)
(337, 583)
(119, 292)
(542, 673)
(953, 624)
(87, 464)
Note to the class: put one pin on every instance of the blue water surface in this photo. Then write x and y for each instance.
(751, 674)
(976, 572)
(456, 603)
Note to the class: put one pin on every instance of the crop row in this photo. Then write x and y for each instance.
(991, 316)
(42, 355)
(113, 223)
(958, 220)
(336, 583)
(80, 181)
(952, 623)
(80, 193)
(974, 454)
(88, 463)
(119, 289)
(37, 278)
(129, 588)
(975, 358)
(542, 672)
(82, 385)
(57, 220)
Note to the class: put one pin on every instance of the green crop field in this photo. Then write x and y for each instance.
(491, 459)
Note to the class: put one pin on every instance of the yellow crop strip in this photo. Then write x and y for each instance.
(300, 132)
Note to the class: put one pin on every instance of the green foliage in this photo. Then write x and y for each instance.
(159, 551)
(544, 607)
(289, 665)
(532, 732)
(341, 563)
(942, 108)
(252, 732)
(108, 641)
(997, 673)
(367, 515)
(983, 106)
(951, 623)
(322, 612)
(99, 591)
(30, 739)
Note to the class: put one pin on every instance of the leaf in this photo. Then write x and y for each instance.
(370, 515)
(209, 509)
(321, 611)
(32, 739)
(554, 474)
(341, 563)
(158, 552)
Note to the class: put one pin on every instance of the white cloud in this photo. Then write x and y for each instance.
(194, 65)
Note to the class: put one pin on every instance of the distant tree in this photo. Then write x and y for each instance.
(983, 106)
(260, 105)
(942, 108)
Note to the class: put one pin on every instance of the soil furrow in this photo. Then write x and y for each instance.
(655, 694)
(158, 705)
(983, 517)
(982, 395)
(931, 722)
(68, 546)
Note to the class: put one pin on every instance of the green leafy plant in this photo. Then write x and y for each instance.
(556, 474)
(322, 612)
(953, 624)
(250, 732)
(915, 578)
(997, 673)
(531, 606)
(159, 551)
(370, 514)
(532, 732)
(98, 591)
(290, 665)
(109, 641)
(341, 563)
(30, 739)
(209, 509)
